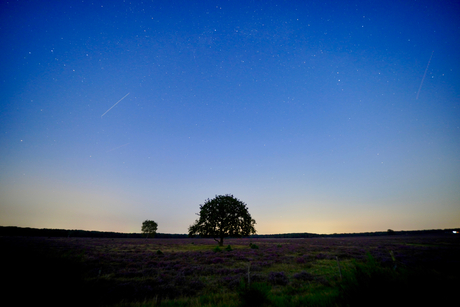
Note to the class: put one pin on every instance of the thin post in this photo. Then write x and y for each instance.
(394, 260)
(338, 264)
(249, 274)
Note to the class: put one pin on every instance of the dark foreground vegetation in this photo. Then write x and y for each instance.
(352, 271)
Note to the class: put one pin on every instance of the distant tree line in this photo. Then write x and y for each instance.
(390, 232)
(361, 234)
(288, 235)
(34, 232)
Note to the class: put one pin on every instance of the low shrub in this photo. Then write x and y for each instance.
(231, 281)
(217, 260)
(278, 278)
(217, 249)
(304, 276)
(300, 260)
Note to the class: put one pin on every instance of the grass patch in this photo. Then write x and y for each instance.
(212, 299)
(370, 282)
(283, 272)
(193, 248)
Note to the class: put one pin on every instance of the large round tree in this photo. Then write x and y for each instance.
(223, 216)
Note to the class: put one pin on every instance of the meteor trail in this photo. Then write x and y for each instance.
(117, 147)
(418, 93)
(115, 104)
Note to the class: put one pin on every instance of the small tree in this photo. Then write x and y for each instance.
(149, 228)
(223, 216)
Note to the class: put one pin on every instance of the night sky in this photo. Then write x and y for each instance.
(322, 116)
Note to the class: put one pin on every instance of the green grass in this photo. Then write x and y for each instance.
(326, 290)
(190, 247)
(363, 283)
(211, 299)
(258, 294)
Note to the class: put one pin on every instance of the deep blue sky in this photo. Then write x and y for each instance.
(306, 111)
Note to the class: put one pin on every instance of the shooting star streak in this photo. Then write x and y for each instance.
(114, 105)
(117, 147)
(418, 93)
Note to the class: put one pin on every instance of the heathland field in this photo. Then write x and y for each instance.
(354, 271)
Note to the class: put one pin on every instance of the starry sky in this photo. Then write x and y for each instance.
(322, 116)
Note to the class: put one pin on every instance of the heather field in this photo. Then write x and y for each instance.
(353, 271)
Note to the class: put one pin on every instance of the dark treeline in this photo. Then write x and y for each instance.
(389, 232)
(35, 232)
(288, 235)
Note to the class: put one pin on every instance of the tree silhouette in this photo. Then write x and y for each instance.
(149, 228)
(223, 216)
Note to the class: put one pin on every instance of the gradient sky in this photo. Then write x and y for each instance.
(322, 116)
